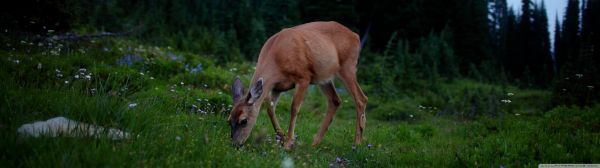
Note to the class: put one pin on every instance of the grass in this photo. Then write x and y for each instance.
(462, 123)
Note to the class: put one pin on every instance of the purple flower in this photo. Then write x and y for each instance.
(129, 60)
(192, 69)
(369, 146)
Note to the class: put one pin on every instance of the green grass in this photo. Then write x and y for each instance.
(461, 123)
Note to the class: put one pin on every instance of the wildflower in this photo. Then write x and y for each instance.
(129, 59)
(517, 114)
(192, 69)
(39, 65)
(152, 78)
(287, 162)
(353, 147)
(411, 116)
(579, 75)
(132, 105)
(278, 138)
(141, 73)
(510, 94)
(505, 101)
(93, 90)
(178, 138)
(331, 165)
(88, 77)
(338, 160)
(181, 83)
(76, 76)
(590, 87)
(369, 146)
(50, 31)
(66, 82)
(17, 61)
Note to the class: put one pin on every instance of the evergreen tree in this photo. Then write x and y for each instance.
(570, 34)
(512, 43)
(557, 44)
(542, 58)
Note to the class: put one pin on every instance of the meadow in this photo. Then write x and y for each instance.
(175, 104)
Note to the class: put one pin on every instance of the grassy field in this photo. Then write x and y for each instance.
(182, 100)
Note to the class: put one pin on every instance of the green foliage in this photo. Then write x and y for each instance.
(181, 110)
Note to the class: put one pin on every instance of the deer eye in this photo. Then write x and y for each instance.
(243, 122)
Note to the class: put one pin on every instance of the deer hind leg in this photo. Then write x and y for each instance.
(348, 75)
(333, 102)
(271, 111)
(301, 88)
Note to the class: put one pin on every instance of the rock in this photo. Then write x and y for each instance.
(61, 126)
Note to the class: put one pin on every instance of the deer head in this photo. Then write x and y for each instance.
(245, 110)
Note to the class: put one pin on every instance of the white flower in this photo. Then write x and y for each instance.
(132, 105)
(66, 82)
(505, 101)
(152, 78)
(178, 138)
(181, 83)
(88, 77)
(76, 76)
(517, 114)
(287, 162)
(590, 87)
(411, 116)
(579, 75)
(510, 94)
(141, 73)
(39, 66)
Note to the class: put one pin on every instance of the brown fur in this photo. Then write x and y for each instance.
(312, 53)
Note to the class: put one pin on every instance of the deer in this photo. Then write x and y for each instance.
(296, 57)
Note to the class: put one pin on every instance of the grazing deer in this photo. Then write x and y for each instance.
(311, 53)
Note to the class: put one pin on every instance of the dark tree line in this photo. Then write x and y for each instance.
(576, 52)
(480, 39)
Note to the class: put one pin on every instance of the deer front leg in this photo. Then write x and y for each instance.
(297, 100)
(271, 111)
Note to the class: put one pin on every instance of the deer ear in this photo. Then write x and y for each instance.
(237, 89)
(255, 91)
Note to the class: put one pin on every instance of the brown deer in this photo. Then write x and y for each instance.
(311, 53)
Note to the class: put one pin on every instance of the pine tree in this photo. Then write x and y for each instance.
(570, 34)
(557, 44)
(542, 59)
